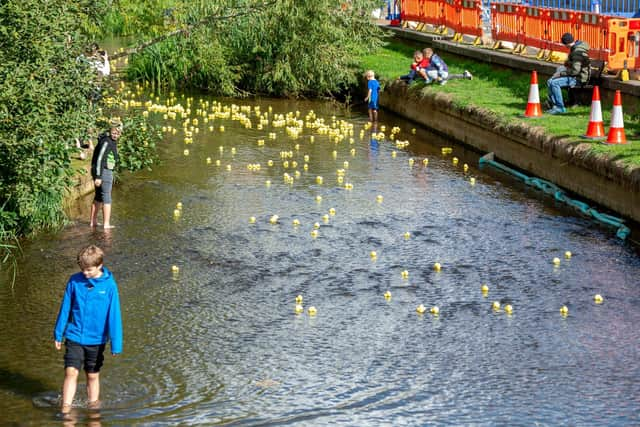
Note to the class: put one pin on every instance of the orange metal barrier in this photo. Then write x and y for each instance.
(561, 22)
(451, 13)
(535, 23)
(506, 22)
(410, 10)
(432, 12)
(624, 41)
(592, 28)
(470, 18)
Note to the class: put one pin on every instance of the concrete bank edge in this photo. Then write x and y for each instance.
(568, 164)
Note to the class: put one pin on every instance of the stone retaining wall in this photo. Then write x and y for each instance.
(567, 164)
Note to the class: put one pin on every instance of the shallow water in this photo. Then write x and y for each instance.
(220, 343)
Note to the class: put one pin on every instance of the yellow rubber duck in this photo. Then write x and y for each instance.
(465, 167)
(425, 162)
(411, 162)
(564, 311)
(556, 261)
(404, 274)
(568, 254)
(387, 295)
(208, 160)
(319, 180)
(316, 225)
(406, 235)
(252, 220)
(312, 311)
(597, 298)
(296, 222)
(175, 269)
(484, 289)
(373, 254)
(496, 306)
(435, 310)
(177, 213)
(394, 154)
(379, 198)
(179, 205)
(218, 162)
(299, 299)
(318, 198)
(273, 219)
(267, 183)
(472, 181)
(421, 309)
(325, 218)
(454, 161)
(314, 233)
(508, 309)
(299, 309)
(186, 152)
(437, 266)
(346, 164)
(332, 211)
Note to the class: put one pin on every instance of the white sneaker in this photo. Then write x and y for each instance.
(468, 75)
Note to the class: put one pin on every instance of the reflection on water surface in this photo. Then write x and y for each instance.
(220, 342)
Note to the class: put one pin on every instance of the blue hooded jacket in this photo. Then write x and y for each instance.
(90, 312)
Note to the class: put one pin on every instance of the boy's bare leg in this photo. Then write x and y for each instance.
(69, 388)
(93, 388)
(375, 116)
(95, 207)
(106, 215)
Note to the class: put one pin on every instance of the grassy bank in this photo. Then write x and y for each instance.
(504, 92)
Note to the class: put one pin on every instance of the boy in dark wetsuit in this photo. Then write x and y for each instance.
(103, 162)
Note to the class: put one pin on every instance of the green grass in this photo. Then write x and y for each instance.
(504, 92)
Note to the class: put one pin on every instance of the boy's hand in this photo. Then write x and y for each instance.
(58, 345)
(97, 182)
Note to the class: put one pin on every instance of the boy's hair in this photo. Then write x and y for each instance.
(91, 256)
(370, 73)
(417, 53)
(427, 51)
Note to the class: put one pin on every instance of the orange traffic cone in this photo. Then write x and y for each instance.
(595, 130)
(534, 109)
(616, 131)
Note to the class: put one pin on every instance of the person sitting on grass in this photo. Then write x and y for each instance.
(419, 63)
(575, 71)
(438, 69)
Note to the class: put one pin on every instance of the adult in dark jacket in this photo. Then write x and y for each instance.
(575, 71)
(103, 162)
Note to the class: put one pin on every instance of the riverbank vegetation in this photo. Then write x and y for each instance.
(277, 48)
(503, 94)
(47, 102)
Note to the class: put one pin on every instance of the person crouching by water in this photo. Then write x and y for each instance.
(103, 163)
(373, 88)
(88, 318)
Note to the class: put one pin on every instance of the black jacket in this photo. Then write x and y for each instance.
(105, 156)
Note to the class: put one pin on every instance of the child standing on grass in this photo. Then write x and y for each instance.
(89, 316)
(373, 88)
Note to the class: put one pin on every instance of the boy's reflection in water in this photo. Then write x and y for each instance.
(373, 142)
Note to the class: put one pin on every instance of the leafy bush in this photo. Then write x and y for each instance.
(286, 48)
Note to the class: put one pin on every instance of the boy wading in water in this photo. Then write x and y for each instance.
(373, 87)
(89, 316)
(103, 163)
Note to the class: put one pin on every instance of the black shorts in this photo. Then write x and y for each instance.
(75, 355)
(103, 193)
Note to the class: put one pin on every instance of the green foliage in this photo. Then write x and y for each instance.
(134, 18)
(43, 107)
(137, 145)
(286, 48)
(202, 64)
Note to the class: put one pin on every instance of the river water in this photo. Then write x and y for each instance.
(220, 342)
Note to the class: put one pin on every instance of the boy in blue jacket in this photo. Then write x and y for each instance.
(89, 317)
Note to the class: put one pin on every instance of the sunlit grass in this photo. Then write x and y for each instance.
(505, 92)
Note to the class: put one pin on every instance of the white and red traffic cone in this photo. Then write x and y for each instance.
(534, 109)
(595, 129)
(616, 131)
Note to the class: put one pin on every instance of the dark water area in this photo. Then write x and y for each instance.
(220, 342)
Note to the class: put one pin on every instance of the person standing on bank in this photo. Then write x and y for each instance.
(103, 163)
(576, 71)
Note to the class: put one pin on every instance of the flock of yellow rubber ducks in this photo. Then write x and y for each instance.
(188, 120)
